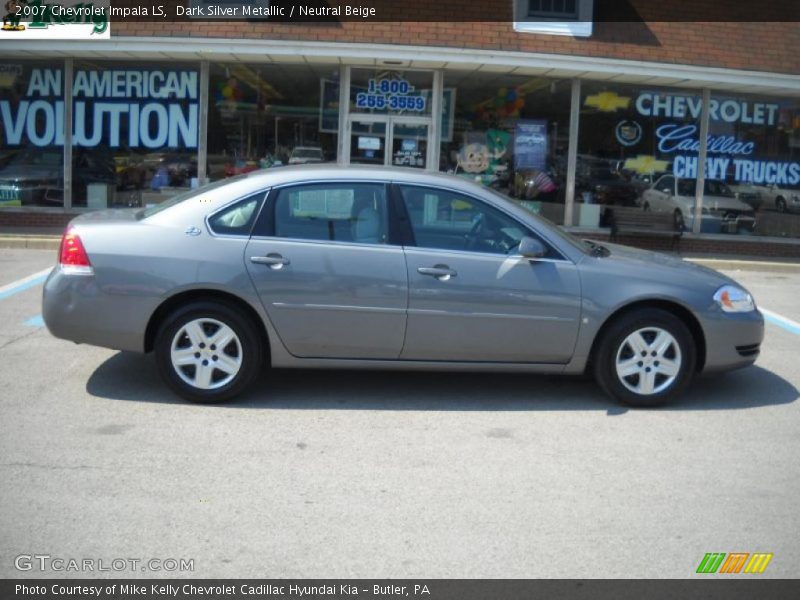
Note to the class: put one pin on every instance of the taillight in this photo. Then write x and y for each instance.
(72, 255)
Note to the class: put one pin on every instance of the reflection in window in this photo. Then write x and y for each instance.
(447, 220)
(237, 219)
(334, 212)
(510, 133)
(31, 158)
(264, 116)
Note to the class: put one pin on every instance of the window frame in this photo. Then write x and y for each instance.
(582, 26)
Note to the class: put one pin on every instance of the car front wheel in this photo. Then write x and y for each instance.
(208, 352)
(645, 358)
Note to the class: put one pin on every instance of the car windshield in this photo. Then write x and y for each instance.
(177, 199)
(550, 226)
(687, 187)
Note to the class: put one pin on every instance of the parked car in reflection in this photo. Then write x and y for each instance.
(781, 198)
(388, 268)
(306, 154)
(722, 212)
(34, 176)
(596, 178)
(751, 195)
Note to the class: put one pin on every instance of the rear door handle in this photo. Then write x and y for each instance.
(272, 260)
(440, 272)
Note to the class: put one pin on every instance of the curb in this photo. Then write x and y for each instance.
(725, 264)
(30, 242)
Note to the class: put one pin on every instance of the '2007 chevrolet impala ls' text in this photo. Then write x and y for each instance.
(369, 267)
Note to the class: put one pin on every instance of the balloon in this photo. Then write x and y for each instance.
(519, 103)
(499, 102)
(502, 92)
(232, 82)
(512, 95)
(227, 92)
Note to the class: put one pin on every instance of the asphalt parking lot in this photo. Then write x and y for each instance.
(353, 474)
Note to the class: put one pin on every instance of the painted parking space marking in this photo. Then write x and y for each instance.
(36, 321)
(20, 285)
(781, 321)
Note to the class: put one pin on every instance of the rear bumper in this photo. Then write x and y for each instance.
(75, 308)
(733, 340)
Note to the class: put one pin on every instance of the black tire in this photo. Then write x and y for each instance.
(251, 346)
(680, 225)
(646, 206)
(608, 347)
(780, 204)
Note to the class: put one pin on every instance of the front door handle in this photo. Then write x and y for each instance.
(440, 272)
(272, 260)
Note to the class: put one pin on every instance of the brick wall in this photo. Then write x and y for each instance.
(738, 45)
(712, 246)
(26, 220)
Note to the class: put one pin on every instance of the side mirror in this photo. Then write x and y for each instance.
(531, 248)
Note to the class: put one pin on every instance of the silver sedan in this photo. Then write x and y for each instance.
(328, 267)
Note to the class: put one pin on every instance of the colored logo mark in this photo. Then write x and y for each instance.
(735, 562)
(607, 101)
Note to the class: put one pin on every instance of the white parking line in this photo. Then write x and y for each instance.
(781, 321)
(20, 285)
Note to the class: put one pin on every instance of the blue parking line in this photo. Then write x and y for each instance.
(26, 284)
(36, 321)
(780, 321)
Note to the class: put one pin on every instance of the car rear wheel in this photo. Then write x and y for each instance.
(208, 352)
(645, 358)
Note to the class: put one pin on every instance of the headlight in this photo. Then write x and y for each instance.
(734, 299)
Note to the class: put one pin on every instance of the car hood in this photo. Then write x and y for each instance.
(657, 265)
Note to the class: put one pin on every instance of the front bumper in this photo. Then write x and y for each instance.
(733, 340)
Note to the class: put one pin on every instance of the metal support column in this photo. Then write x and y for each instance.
(67, 178)
(701, 162)
(572, 151)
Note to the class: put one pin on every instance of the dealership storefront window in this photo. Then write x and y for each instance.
(138, 132)
(389, 118)
(135, 132)
(267, 115)
(31, 134)
(754, 149)
(627, 149)
(511, 133)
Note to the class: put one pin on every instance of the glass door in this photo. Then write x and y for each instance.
(368, 141)
(409, 143)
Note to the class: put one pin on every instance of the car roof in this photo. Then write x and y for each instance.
(326, 171)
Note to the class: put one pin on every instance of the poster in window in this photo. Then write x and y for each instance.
(530, 144)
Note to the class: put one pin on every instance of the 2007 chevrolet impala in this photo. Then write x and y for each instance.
(329, 267)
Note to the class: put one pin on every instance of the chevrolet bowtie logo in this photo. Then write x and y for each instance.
(731, 564)
(607, 101)
(646, 164)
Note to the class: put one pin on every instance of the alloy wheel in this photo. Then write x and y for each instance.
(206, 353)
(648, 361)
